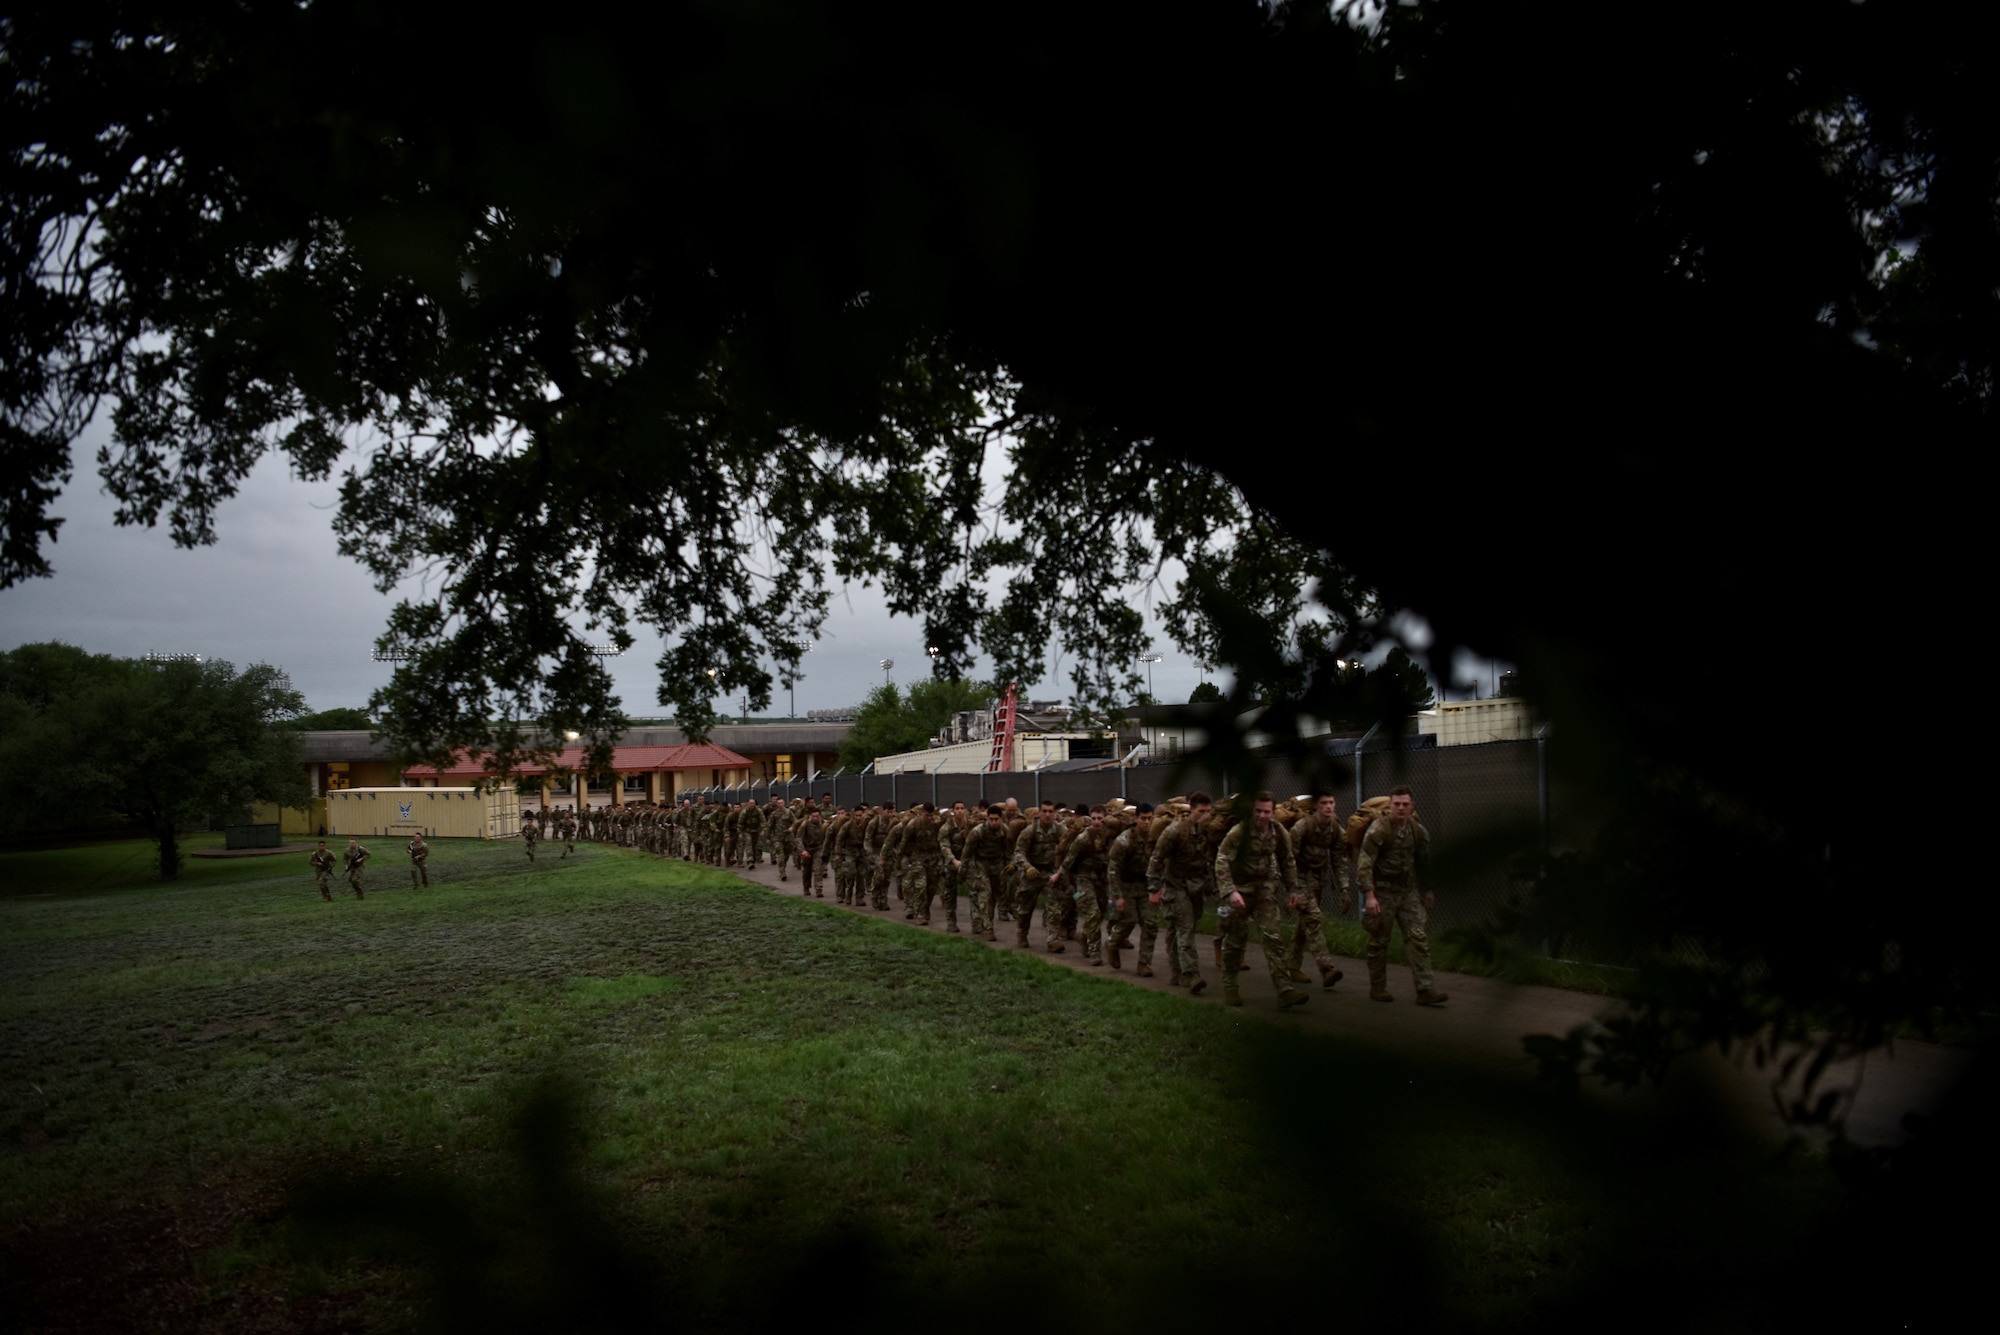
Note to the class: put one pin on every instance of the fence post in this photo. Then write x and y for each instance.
(1358, 748)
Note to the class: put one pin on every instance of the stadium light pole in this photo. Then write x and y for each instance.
(886, 664)
(1149, 659)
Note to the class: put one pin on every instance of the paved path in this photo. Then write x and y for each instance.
(1483, 1024)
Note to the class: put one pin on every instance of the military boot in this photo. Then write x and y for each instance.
(1430, 996)
(1328, 976)
(1020, 931)
(1378, 981)
(1144, 970)
(1297, 974)
(1292, 997)
(1111, 953)
(1231, 996)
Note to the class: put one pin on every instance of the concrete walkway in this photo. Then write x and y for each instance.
(1482, 1025)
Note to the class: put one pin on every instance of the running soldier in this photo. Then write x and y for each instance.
(1253, 866)
(322, 865)
(1387, 872)
(531, 833)
(356, 855)
(420, 859)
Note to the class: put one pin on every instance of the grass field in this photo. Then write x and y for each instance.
(581, 1094)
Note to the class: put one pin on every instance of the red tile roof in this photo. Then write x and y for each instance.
(624, 760)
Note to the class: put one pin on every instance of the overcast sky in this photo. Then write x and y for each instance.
(274, 590)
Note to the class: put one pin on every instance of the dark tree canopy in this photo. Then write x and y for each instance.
(351, 720)
(160, 744)
(1616, 341)
(891, 721)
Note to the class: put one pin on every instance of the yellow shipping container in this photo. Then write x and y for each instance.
(441, 813)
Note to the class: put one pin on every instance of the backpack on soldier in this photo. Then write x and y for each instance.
(1358, 823)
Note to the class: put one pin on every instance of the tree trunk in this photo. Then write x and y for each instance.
(170, 850)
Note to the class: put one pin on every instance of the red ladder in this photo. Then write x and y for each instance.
(1002, 757)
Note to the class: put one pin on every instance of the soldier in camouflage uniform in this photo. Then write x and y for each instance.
(749, 833)
(809, 839)
(953, 828)
(1010, 815)
(1253, 867)
(566, 830)
(322, 865)
(850, 856)
(420, 857)
(920, 865)
(983, 862)
(1034, 860)
(1387, 872)
(778, 834)
(1082, 874)
(1179, 872)
(836, 830)
(1131, 900)
(875, 837)
(531, 831)
(1317, 843)
(356, 856)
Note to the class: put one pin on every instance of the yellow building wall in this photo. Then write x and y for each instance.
(441, 813)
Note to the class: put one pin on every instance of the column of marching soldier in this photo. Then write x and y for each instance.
(1097, 875)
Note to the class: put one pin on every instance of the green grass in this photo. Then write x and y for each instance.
(628, 1081)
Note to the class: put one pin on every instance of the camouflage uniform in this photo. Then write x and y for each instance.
(810, 840)
(530, 832)
(749, 833)
(1179, 873)
(778, 835)
(1387, 868)
(420, 857)
(566, 829)
(1125, 870)
(984, 861)
(875, 836)
(1083, 873)
(1317, 843)
(1258, 865)
(920, 866)
(355, 856)
(952, 834)
(1034, 858)
(322, 865)
(850, 871)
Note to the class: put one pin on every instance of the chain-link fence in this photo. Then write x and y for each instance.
(1485, 806)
